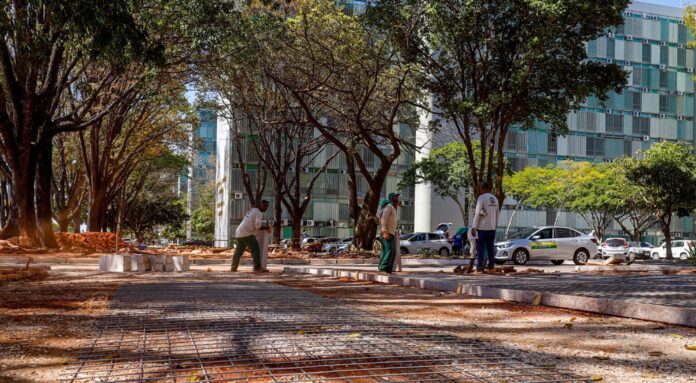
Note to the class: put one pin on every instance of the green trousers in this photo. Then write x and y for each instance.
(386, 262)
(242, 244)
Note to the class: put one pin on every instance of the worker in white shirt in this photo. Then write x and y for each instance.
(483, 228)
(387, 220)
(245, 236)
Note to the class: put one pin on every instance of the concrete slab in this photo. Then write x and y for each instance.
(115, 263)
(661, 298)
(181, 263)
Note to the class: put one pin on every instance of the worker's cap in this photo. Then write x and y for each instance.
(392, 195)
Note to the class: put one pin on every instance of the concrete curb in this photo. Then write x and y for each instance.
(628, 309)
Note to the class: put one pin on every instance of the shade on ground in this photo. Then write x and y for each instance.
(249, 331)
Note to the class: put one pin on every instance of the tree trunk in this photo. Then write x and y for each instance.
(11, 227)
(296, 232)
(44, 214)
(24, 195)
(63, 221)
(76, 222)
(353, 208)
(366, 229)
(98, 206)
(665, 221)
(277, 214)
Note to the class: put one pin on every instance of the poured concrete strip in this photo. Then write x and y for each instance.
(685, 316)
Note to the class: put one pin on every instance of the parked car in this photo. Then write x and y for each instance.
(639, 250)
(308, 240)
(555, 244)
(443, 228)
(337, 247)
(615, 247)
(318, 245)
(680, 249)
(414, 243)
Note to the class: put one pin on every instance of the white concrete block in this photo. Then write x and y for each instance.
(115, 263)
(140, 263)
(181, 263)
(156, 262)
(168, 263)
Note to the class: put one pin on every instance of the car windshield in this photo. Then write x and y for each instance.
(615, 242)
(523, 234)
(633, 244)
(406, 237)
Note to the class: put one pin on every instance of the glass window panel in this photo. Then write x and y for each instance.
(647, 51)
(664, 55)
(681, 57)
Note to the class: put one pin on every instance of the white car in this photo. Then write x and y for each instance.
(416, 242)
(337, 247)
(555, 244)
(680, 249)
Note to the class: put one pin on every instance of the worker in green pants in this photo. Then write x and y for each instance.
(246, 238)
(388, 232)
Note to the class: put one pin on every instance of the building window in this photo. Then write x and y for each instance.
(552, 144)
(641, 126)
(637, 101)
(595, 146)
(637, 76)
(664, 55)
(614, 123)
(663, 79)
(628, 148)
(681, 57)
(646, 53)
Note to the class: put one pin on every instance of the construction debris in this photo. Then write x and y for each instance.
(90, 241)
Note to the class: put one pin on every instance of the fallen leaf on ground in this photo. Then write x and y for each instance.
(601, 357)
(568, 325)
(690, 347)
(548, 365)
(596, 378)
(650, 376)
(193, 378)
(355, 335)
(656, 353)
(299, 332)
(677, 336)
(573, 319)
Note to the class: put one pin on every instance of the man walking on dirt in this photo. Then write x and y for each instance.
(388, 233)
(485, 223)
(245, 234)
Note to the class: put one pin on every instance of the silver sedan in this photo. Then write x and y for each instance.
(550, 243)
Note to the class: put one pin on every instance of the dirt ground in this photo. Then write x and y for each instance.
(45, 323)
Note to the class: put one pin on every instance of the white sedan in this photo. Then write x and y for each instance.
(432, 242)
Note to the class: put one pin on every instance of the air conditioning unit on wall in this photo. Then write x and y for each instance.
(238, 196)
(646, 138)
(309, 222)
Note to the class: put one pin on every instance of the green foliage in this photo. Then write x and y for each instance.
(539, 187)
(203, 217)
(497, 64)
(667, 175)
(150, 212)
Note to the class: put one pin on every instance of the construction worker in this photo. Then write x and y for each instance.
(483, 228)
(388, 233)
(246, 237)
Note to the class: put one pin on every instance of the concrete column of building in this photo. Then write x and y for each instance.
(423, 192)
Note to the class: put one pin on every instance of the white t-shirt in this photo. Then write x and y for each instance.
(486, 212)
(250, 224)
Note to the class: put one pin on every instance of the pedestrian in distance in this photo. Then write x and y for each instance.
(484, 225)
(388, 233)
(246, 237)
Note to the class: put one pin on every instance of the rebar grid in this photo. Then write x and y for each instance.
(248, 331)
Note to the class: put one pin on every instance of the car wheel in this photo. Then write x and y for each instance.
(631, 257)
(656, 256)
(581, 257)
(404, 250)
(557, 262)
(444, 251)
(683, 256)
(520, 257)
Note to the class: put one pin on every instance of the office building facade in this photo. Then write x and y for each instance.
(657, 104)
